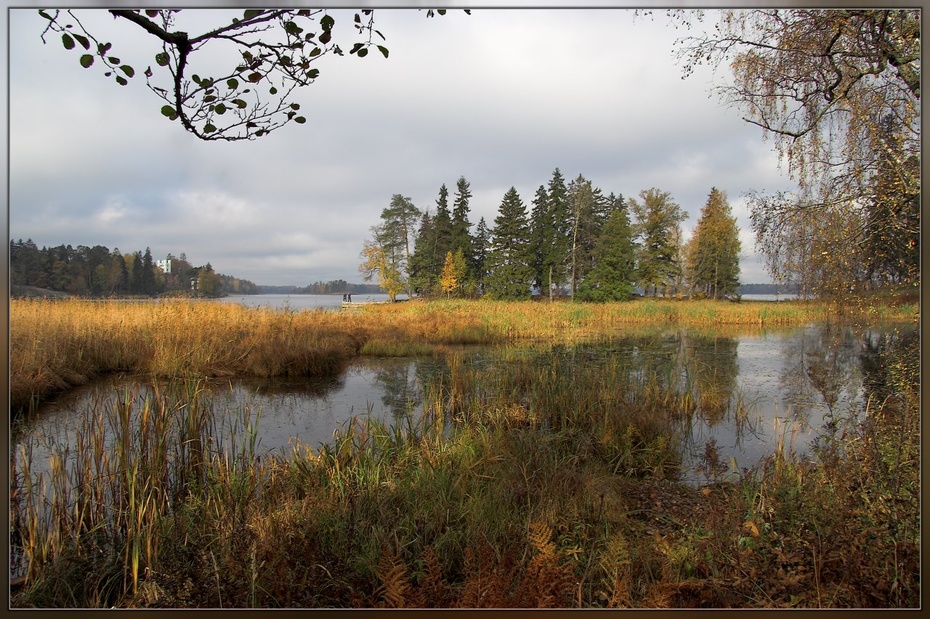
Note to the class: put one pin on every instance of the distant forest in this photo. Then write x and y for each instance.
(99, 272)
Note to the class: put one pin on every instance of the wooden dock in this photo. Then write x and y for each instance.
(354, 305)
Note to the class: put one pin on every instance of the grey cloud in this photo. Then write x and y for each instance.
(501, 97)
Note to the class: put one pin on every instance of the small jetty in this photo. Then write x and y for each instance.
(355, 305)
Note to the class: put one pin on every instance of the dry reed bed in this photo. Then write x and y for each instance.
(55, 345)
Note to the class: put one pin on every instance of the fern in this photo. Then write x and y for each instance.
(395, 590)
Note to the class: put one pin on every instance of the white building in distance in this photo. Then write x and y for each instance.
(164, 265)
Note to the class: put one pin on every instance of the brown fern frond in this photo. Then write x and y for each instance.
(540, 536)
(395, 588)
(433, 589)
(620, 596)
(660, 595)
(548, 580)
(487, 578)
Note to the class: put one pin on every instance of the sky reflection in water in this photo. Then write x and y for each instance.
(786, 385)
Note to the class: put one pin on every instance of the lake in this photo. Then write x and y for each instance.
(334, 301)
(779, 386)
(300, 301)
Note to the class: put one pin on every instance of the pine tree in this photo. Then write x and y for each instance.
(712, 254)
(611, 277)
(657, 227)
(395, 232)
(509, 273)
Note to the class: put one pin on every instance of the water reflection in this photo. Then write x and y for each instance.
(740, 395)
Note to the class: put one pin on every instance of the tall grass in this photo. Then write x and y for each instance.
(545, 484)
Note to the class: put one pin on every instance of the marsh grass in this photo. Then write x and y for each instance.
(528, 483)
(56, 345)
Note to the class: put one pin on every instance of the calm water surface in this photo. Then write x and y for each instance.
(779, 386)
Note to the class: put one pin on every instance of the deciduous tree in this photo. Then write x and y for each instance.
(657, 228)
(376, 264)
(271, 54)
(712, 254)
(822, 83)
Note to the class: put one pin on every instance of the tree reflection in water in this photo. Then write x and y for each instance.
(729, 387)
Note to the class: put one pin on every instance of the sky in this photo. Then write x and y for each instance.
(501, 97)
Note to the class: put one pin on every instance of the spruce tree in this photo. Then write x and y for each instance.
(611, 277)
(442, 236)
(509, 273)
(461, 227)
(558, 245)
(420, 265)
(540, 237)
(482, 246)
(148, 274)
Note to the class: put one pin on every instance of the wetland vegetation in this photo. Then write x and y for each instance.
(538, 480)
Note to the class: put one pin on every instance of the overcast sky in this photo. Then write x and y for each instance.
(501, 97)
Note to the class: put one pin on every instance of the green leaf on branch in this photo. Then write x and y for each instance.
(232, 83)
(169, 112)
(313, 74)
(295, 106)
(363, 52)
(161, 59)
(87, 60)
(82, 40)
(326, 37)
(122, 81)
(292, 28)
(208, 128)
(129, 71)
(255, 77)
(272, 91)
(249, 14)
(327, 23)
(113, 60)
(239, 103)
(383, 50)
(220, 109)
(67, 41)
(300, 120)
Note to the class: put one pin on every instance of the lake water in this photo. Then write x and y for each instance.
(300, 301)
(776, 386)
(334, 301)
